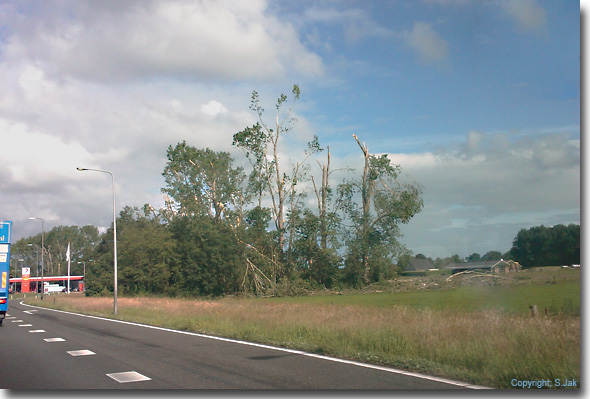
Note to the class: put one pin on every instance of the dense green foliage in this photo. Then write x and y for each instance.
(210, 258)
(384, 204)
(201, 182)
(547, 246)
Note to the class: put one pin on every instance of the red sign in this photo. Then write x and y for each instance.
(25, 287)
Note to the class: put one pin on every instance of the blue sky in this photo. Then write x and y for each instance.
(492, 75)
(479, 101)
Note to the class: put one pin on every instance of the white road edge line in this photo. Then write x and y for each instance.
(293, 351)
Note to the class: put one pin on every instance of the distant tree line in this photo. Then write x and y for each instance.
(225, 230)
(547, 246)
(537, 246)
(83, 241)
(441, 263)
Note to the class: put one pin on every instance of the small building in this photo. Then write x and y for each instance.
(506, 266)
(493, 266)
(419, 265)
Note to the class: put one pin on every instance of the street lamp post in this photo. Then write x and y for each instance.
(114, 233)
(42, 250)
(37, 282)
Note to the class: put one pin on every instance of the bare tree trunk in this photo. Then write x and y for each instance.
(293, 205)
(280, 212)
(322, 197)
(367, 195)
(323, 221)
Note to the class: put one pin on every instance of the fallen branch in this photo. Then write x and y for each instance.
(474, 274)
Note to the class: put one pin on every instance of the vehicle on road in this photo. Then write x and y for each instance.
(5, 233)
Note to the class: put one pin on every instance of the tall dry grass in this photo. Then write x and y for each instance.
(484, 347)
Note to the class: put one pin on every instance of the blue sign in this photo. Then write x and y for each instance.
(5, 232)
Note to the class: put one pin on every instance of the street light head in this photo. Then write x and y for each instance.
(81, 169)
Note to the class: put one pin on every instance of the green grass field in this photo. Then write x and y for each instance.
(562, 298)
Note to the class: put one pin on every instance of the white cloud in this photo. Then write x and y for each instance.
(356, 23)
(479, 193)
(448, 2)
(213, 108)
(428, 44)
(527, 14)
(49, 127)
(33, 159)
(227, 40)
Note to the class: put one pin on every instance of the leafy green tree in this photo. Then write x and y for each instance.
(565, 245)
(253, 142)
(210, 257)
(295, 195)
(547, 246)
(315, 237)
(99, 276)
(385, 203)
(146, 253)
(260, 143)
(527, 247)
(314, 261)
(441, 263)
(492, 255)
(474, 257)
(202, 182)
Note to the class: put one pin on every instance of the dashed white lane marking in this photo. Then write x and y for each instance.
(25, 325)
(10, 317)
(36, 331)
(27, 312)
(83, 352)
(128, 376)
(16, 321)
(54, 340)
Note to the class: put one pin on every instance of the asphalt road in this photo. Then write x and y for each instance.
(47, 349)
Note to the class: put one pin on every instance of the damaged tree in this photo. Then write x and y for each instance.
(385, 203)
